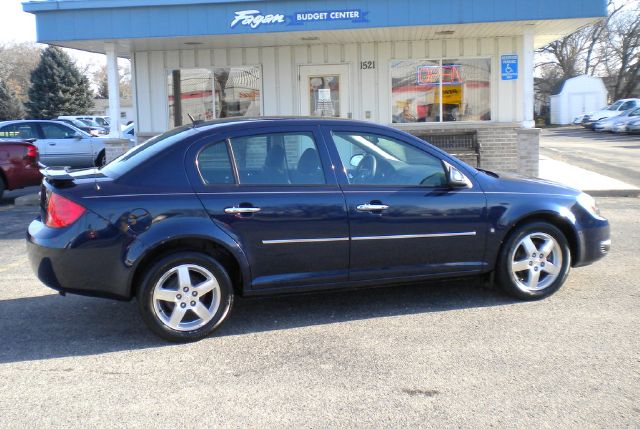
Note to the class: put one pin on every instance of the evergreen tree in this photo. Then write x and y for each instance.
(58, 87)
(10, 107)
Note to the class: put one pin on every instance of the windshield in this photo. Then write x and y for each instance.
(78, 123)
(89, 122)
(615, 105)
(139, 154)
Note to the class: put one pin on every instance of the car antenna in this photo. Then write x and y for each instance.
(194, 122)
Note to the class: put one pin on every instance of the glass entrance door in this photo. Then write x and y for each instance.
(325, 91)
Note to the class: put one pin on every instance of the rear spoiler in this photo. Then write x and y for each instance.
(57, 176)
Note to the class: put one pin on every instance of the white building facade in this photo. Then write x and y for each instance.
(459, 74)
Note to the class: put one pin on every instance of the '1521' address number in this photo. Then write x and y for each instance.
(367, 65)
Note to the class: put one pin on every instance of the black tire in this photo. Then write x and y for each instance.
(101, 160)
(156, 312)
(2, 187)
(551, 269)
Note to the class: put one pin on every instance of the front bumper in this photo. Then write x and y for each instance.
(594, 243)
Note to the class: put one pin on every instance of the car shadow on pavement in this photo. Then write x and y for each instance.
(51, 326)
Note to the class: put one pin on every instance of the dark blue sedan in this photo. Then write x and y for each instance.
(250, 207)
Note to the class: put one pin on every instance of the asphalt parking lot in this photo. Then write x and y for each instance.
(613, 155)
(423, 355)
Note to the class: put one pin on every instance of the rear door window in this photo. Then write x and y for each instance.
(214, 165)
(278, 159)
(22, 130)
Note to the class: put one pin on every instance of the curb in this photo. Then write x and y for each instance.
(625, 193)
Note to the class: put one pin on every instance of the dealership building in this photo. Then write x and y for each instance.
(458, 73)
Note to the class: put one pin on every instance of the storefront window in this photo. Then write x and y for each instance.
(238, 91)
(440, 91)
(190, 93)
(222, 92)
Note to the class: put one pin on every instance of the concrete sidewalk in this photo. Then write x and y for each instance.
(585, 180)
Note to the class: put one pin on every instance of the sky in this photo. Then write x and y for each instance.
(20, 26)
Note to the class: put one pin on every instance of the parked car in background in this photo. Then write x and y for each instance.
(633, 127)
(94, 124)
(622, 125)
(615, 109)
(100, 121)
(59, 143)
(191, 218)
(617, 123)
(18, 165)
(84, 126)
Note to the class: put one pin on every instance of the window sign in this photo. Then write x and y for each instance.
(254, 18)
(441, 90)
(430, 75)
(509, 67)
(324, 94)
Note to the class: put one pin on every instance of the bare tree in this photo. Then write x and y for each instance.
(100, 81)
(567, 53)
(621, 52)
(578, 53)
(17, 61)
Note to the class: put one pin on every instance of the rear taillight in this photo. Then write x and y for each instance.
(62, 212)
(32, 152)
(32, 155)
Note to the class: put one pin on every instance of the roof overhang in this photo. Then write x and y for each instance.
(164, 24)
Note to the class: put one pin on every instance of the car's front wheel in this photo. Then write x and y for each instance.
(534, 261)
(185, 296)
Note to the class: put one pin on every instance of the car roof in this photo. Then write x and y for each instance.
(280, 120)
(18, 121)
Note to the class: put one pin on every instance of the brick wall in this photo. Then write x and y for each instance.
(113, 148)
(503, 147)
(529, 151)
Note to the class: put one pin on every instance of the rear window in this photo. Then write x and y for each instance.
(139, 154)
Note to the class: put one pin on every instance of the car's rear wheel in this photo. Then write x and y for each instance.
(534, 261)
(185, 296)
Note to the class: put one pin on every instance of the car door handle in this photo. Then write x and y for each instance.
(242, 210)
(371, 207)
(52, 144)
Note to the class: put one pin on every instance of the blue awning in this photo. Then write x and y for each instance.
(74, 20)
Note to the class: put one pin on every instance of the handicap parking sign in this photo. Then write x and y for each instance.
(509, 67)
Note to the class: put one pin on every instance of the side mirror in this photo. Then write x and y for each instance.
(355, 160)
(77, 136)
(455, 179)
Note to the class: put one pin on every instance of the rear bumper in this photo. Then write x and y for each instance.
(78, 259)
(28, 176)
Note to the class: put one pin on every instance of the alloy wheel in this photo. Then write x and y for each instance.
(186, 297)
(536, 262)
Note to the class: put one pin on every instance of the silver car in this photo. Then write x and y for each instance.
(59, 144)
(633, 127)
(617, 124)
(623, 121)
